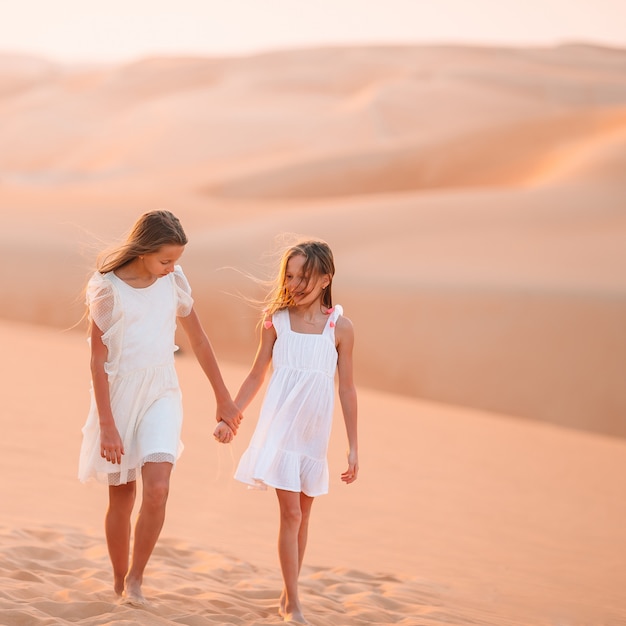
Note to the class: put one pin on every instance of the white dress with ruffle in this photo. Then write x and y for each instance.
(288, 449)
(138, 327)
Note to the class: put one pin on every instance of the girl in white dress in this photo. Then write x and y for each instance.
(307, 340)
(135, 419)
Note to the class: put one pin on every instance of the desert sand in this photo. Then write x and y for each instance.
(475, 201)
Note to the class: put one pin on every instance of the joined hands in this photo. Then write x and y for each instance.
(223, 433)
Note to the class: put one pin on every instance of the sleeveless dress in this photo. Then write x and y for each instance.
(138, 328)
(288, 449)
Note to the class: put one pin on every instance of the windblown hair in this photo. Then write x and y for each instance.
(318, 262)
(151, 231)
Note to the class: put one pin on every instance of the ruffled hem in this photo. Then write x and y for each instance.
(90, 470)
(286, 470)
(115, 477)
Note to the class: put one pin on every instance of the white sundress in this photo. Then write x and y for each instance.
(288, 449)
(138, 328)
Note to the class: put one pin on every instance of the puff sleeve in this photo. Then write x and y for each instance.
(184, 301)
(100, 299)
(106, 312)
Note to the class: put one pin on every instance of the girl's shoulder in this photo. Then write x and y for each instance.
(100, 284)
(103, 302)
(98, 277)
(335, 312)
(281, 313)
(275, 321)
(183, 292)
(343, 324)
(179, 278)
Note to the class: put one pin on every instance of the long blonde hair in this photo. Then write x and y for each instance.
(151, 231)
(318, 262)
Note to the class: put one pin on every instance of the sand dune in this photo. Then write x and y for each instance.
(225, 115)
(479, 192)
(544, 149)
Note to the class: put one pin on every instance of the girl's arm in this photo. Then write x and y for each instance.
(110, 439)
(344, 333)
(251, 385)
(202, 348)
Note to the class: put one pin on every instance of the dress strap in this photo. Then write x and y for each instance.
(280, 321)
(334, 315)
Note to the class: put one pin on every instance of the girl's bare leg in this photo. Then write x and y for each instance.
(117, 530)
(295, 509)
(156, 483)
(306, 502)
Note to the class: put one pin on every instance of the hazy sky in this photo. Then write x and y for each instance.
(111, 30)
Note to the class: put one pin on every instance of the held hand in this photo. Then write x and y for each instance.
(229, 413)
(350, 475)
(223, 433)
(111, 445)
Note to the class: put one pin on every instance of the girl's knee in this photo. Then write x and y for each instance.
(156, 492)
(156, 483)
(291, 514)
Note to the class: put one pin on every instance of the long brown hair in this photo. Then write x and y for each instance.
(151, 231)
(318, 262)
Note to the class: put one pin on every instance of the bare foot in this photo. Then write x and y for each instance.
(294, 616)
(133, 594)
(118, 586)
(281, 603)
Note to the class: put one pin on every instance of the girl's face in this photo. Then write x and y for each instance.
(161, 263)
(303, 289)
